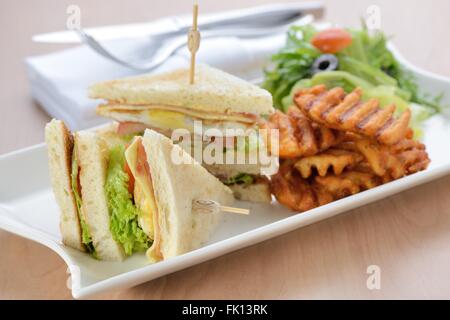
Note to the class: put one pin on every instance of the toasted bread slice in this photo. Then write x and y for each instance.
(92, 155)
(213, 91)
(60, 146)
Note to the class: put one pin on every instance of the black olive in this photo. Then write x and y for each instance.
(325, 62)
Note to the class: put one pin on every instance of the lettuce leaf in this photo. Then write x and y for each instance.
(124, 224)
(291, 64)
(368, 59)
(241, 178)
(369, 56)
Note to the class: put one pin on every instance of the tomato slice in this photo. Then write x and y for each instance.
(142, 166)
(332, 40)
(129, 127)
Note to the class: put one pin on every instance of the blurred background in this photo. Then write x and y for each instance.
(418, 29)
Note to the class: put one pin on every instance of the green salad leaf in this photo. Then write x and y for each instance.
(367, 63)
(124, 224)
(241, 178)
(292, 63)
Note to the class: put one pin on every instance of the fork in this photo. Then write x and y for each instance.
(162, 49)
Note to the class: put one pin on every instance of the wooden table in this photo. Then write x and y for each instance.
(407, 235)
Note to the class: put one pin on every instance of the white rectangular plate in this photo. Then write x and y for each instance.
(28, 208)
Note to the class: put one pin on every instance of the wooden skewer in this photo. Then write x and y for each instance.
(234, 210)
(193, 42)
(210, 206)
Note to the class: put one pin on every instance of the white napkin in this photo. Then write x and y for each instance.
(59, 81)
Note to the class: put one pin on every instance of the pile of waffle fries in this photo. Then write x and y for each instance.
(332, 145)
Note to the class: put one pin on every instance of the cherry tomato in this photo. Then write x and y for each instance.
(332, 40)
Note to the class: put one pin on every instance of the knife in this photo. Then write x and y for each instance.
(261, 16)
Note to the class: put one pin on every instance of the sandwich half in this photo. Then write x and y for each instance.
(166, 102)
(177, 228)
(115, 200)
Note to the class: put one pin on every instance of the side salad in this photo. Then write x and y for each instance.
(347, 58)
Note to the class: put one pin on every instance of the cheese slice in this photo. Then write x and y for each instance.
(171, 118)
(213, 116)
(143, 192)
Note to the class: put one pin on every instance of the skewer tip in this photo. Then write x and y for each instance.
(210, 206)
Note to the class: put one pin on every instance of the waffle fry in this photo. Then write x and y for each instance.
(291, 190)
(411, 154)
(334, 187)
(335, 159)
(300, 194)
(337, 110)
(391, 162)
(380, 159)
(288, 144)
(298, 136)
(322, 137)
